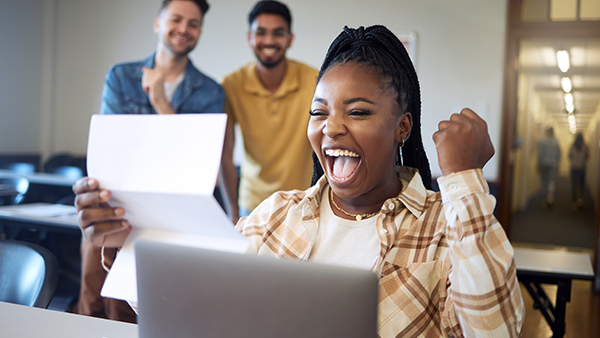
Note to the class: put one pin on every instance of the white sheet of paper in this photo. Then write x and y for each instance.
(162, 169)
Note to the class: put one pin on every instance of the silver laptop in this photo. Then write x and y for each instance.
(191, 292)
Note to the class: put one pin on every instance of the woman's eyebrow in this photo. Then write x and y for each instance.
(319, 100)
(358, 99)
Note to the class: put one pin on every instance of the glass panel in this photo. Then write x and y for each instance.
(534, 10)
(563, 10)
(590, 10)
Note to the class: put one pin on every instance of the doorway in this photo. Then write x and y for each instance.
(567, 101)
(535, 99)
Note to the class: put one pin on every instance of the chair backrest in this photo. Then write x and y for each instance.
(19, 167)
(13, 189)
(58, 161)
(28, 274)
(68, 171)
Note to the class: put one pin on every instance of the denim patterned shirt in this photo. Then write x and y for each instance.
(123, 92)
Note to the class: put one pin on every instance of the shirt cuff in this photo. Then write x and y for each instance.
(108, 256)
(463, 183)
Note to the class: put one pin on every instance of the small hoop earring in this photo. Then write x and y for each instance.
(401, 143)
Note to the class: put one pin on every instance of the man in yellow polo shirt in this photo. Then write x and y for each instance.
(269, 99)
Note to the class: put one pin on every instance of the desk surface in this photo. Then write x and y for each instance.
(57, 215)
(29, 322)
(42, 178)
(7, 190)
(574, 265)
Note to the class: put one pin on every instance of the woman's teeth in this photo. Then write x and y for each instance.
(340, 152)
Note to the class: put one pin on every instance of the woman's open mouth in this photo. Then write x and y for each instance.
(342, 164)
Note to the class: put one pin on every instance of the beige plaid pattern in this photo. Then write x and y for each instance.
(446, 267)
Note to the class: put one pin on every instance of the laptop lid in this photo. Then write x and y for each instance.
(192, 292)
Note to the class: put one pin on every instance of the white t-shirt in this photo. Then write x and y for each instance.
(171, 87)
(344, 242)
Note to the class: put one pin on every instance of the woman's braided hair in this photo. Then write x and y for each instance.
(377, 47)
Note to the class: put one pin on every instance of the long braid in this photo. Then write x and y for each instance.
(379, 48)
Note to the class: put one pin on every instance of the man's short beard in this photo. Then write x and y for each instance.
(178, 53)
(169, 45)
(269, 64)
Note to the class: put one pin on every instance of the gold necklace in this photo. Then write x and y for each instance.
(358, 217)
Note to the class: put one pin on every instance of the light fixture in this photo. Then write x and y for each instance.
(568, 99)
(572, 123)
(566, 84)
(562, 59)
(570, 108)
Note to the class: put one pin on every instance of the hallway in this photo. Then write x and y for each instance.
(560, 226)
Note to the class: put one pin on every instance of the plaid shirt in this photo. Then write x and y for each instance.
(446, 266)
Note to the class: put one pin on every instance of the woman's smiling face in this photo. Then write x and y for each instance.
(354, 129)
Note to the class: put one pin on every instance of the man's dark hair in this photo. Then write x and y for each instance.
(270, 7)
(203, 4)
(378, 48)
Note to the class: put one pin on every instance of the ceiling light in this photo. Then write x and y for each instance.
(572, 123)
(562, 59)
(566, 84)
(570, 108)
(568, 99)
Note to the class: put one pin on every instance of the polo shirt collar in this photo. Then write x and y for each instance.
(290, 83)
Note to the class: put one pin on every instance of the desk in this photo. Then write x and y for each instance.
(535, 267)
(29, 322)
(7, 190)
(42, 178)
(44, 216)
(45, 187)
(7, 194)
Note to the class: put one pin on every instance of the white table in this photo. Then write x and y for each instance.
(44, 216)
(41, 178)
(535, 267)
(29, 322)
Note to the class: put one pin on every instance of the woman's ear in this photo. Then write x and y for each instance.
(404, 127)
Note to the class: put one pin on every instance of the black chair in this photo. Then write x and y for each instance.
(28, 274)
(57, 161)
(13, 190)
(68, 171)
(19, 167)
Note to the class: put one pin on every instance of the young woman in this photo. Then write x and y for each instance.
(446, 267)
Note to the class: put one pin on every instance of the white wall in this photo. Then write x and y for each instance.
(459, 58)
(20, 69)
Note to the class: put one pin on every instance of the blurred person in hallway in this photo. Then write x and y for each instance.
(548, 160)
(578, 155)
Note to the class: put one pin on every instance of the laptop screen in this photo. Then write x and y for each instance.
(191, 292)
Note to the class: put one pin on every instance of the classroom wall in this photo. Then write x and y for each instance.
(20, 73)
(63, 52)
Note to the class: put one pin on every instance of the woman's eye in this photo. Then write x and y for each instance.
(361, 112)
(316, 113)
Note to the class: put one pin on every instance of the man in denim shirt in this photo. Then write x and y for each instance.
(165, 83)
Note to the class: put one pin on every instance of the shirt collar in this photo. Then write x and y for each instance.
(413, 196)
(192, 77)
(290, 83)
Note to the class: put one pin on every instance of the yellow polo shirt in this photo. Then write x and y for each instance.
(273, 125)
